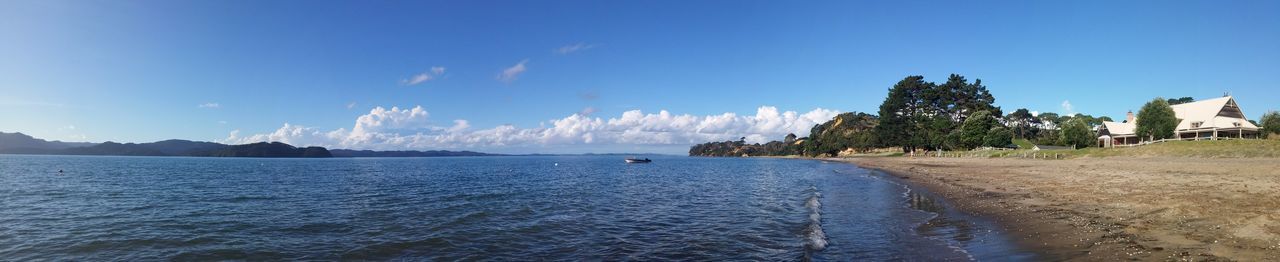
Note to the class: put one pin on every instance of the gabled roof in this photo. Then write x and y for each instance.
(1219, 112)
(1119, 129)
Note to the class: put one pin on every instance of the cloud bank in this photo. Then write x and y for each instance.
(401, 129)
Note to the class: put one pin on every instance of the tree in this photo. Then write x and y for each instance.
(960, 99)
(973, 132)
(1156, 120)
(1270, 123)
(1050, 118)
(1077, 133)
(952, 141)
(898, 113)
(1182, 100)
(1104, 119)
(1049, 128)
(1021, 121)
(999, 137)
(921, 115)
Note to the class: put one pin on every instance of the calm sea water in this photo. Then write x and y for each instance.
(475, 208)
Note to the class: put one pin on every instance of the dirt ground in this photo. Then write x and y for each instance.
(1115, 208)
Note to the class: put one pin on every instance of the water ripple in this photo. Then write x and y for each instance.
(493, 208)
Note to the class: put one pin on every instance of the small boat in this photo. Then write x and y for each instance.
(638, 160)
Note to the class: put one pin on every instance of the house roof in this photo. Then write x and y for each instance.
(1119, 129)
(1048, 147)
(1219, 112)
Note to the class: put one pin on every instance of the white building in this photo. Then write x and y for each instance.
(1207, 119)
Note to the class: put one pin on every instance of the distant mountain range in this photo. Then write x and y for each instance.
(19, 143)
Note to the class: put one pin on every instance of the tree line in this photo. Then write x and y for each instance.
(918, 115)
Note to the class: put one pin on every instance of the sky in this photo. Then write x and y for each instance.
(593, 76)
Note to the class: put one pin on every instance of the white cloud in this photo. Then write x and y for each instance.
(209, 105)
(1067, 108)
(587, 111)
(459, 125)
(397, 128)
(291, 134)
(351, 105)
(433, 73)
(234, 136)
(417, 79)
(1035, 113)
(222, 122)
(512, 72)
(564, 50)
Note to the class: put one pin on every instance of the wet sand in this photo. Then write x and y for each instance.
(1117, 208)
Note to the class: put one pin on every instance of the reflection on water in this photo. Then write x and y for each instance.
(941, 225)
(923, 203)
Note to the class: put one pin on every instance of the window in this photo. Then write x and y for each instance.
(1196, 124)
(1237, 124)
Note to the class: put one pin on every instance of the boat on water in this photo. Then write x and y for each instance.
(632, 160)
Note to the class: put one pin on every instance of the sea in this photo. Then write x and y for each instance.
(504, 208)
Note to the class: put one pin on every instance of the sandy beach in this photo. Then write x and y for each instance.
(1132, 208)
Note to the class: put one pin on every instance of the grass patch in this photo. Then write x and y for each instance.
(1023, 143)
(1205, 148)
(1202, 149)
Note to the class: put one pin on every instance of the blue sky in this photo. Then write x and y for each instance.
(239, 71)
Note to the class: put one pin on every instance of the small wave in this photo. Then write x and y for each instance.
(817, 239)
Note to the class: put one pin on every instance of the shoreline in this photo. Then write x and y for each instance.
(1027, 227)
(1073, 209)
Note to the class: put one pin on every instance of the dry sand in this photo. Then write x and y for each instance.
(1115, 208)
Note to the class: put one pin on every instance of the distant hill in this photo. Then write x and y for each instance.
(193, 148)
(171, 147)
(430, 153)
(19, 143)
(183, 147)
(113, 149)
(273, 149)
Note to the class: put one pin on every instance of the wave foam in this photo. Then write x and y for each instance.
(817, 239)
